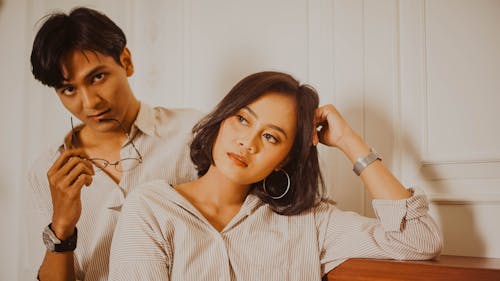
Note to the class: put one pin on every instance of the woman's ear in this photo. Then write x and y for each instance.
(126, 61)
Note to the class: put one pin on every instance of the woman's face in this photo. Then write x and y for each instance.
(257, 139)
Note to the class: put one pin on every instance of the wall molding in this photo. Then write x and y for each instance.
(461, 169)
(465, 199)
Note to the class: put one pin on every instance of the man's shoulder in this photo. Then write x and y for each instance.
(44, 161)
(37, 187)
(180, 120)
(178, 114)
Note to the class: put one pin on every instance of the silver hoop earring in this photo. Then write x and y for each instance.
(286, 189)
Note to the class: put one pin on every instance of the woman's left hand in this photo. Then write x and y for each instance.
(333, 129)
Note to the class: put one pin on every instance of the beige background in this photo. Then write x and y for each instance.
(418, 79)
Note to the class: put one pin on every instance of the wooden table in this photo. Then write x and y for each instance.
(454, 268)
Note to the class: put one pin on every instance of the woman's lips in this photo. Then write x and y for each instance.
(238, 159)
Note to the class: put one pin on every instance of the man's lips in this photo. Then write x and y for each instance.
(238, 159)
(98, 115)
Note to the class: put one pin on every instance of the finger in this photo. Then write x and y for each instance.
(74, 162)
(64, 157)
(83, 179)
(58, 179)
(63, 181)
(322, 133)
(320, 115)
(78, 170)
(314, 137)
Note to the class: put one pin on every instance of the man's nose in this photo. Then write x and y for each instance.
(90, 98)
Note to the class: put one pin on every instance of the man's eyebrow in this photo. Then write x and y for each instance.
(277, 128)
(93, 72)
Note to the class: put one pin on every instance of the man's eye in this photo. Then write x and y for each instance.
(97, 77)
(270, 138)
(68, 91)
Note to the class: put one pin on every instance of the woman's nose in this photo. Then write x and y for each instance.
(248, 143)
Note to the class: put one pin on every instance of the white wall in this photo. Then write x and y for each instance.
(13, 76)
(417, 78)
(450, 74)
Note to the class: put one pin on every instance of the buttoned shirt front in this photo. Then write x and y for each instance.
(162, 137)
(161, 236)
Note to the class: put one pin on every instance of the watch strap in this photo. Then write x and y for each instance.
(363, 162)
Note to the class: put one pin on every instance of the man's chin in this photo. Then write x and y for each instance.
(104, 125)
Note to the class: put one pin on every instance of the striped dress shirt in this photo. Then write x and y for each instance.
(161, 236)
(161, 136)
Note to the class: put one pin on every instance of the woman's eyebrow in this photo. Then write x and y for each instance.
(277, 128)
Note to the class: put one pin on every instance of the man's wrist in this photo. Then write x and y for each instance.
(62, 231)
(54, 244)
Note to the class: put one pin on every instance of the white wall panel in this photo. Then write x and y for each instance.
(381, 81)
(12, 88)
(449, 82)
(349, 71)
(463, 42)
(231, 39)
(157, 46)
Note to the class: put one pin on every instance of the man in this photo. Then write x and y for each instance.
(78, 187)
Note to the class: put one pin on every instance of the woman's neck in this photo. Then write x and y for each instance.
(215, 196)
(216, 189)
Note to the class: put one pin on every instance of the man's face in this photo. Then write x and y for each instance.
(96, 89)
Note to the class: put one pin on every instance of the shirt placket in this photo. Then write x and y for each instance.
(225, 272)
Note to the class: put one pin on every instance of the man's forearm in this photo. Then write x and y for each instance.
(57, 266)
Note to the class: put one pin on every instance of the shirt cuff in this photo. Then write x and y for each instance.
(393, 213)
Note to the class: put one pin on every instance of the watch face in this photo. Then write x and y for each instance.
(48, 242)
(53, 243)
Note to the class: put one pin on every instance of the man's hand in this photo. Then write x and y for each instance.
(69, 173)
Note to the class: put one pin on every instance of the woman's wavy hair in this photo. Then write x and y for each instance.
(306, 182)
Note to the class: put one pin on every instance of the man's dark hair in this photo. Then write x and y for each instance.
(82, 29)
(306, 183)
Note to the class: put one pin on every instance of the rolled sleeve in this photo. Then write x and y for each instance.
(403, 229)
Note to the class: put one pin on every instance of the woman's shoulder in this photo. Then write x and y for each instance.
(156, 195)
(325, 205)
(151, 191)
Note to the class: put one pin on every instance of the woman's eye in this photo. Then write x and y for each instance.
(242, 120)
(270, 138)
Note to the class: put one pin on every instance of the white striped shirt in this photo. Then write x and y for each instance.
(162, 137)
(161, 236)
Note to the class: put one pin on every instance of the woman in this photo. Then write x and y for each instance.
(257, 211)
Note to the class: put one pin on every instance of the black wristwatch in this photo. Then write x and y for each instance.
(54, 244)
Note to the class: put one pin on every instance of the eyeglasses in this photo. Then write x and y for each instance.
(122, 165)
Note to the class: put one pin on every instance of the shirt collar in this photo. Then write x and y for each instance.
(146, 120)
(250, 205)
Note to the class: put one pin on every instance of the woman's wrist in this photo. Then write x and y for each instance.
(354, 146)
